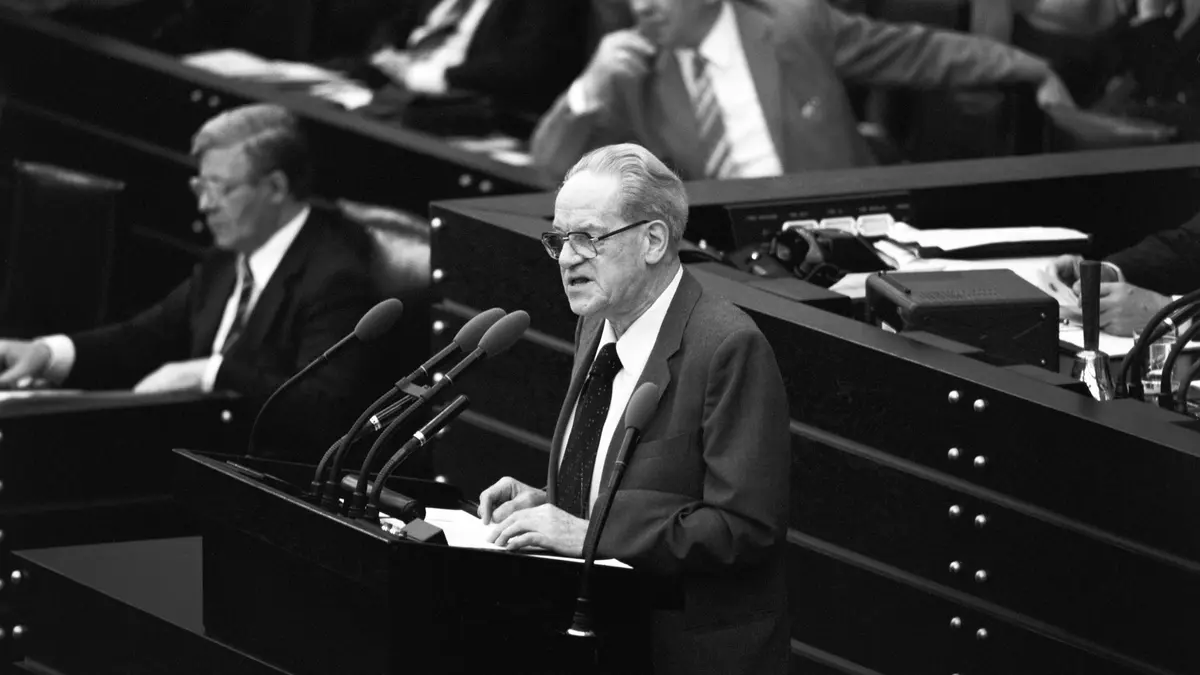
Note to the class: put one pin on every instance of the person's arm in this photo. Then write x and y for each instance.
(911, 55)
(118, 355)
(746, 455)
(1167, 262)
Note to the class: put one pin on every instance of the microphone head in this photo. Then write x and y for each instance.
(469, 335)
(504, 333)
(378, 320)
(641, 406)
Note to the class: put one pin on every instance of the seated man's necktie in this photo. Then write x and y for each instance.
(242, 314)
(714, 143)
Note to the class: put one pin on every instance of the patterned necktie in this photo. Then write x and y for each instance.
(579, 457)
(717, 153)
(245, 293)
(431, 36)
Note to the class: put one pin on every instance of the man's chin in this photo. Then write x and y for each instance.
(584, 306)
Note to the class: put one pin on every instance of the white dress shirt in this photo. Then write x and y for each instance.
(633, 349)
(427, 75)
(263, 263)
(753, 151)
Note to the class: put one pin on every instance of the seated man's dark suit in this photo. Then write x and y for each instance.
(314, 298)
(1166, 262)
(704, 499)
(523, 54)
(798, 52)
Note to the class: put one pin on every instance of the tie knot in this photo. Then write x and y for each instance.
(247, 274)
(607, 363)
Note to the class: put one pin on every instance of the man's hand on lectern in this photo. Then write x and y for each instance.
(505, 497)
(22, 362)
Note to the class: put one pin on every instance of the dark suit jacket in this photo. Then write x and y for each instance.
(799, 52)
(1166, 262)
(315, 297)
(704, 499)
(523, 53)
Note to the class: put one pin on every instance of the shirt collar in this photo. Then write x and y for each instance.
(266, 259)
(635, 345)
(718, 47)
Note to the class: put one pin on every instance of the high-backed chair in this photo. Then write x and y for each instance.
(57, 251)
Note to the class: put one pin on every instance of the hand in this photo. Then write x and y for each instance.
(22, 362)
(1053, 93)
(1124, 308)
(621, 54)
(392, 63)
(545, 526)
(177, 376)
(507, 496)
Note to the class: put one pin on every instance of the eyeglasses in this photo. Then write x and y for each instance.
(214, 189)
(581, 242)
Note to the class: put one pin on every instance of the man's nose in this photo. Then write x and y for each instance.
(568, 257)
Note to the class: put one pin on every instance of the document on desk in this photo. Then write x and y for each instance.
(958, 240)
(27, 394)
(1111, 345)
(467, 531)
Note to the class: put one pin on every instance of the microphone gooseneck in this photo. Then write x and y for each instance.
(325, 482)
(419, 439)
(641, 407)
(377, 321)
(1129, 376)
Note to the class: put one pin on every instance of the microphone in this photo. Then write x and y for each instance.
(466, 340)
(502, 335)
(641, 406)
(418, 440)
(377, 321)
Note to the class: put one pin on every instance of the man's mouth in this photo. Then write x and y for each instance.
(574, 282)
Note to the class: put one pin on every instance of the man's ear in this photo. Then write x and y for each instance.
(281, 187)
(658, 237)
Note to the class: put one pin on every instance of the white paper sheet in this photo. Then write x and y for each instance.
(467, 531)
(958, 239)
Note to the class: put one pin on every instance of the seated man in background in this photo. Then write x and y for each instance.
(1135, 282)
(285, 282)
(517, 52)
(704, 501)
(749, 88)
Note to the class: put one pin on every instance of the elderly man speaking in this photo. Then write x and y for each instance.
(704, 499)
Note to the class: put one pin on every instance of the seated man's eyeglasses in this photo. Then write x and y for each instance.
(213, 188)
(582, 243)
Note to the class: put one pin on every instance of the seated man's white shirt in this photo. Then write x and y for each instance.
(633, 349)
(427, 74)
(263, 263)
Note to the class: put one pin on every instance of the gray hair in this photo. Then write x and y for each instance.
(649, 190)
(268, 135)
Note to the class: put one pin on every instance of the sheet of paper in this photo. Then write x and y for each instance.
(26, 394)
(957, 239)
(467, 531)
(240, 64)
(1109, 344)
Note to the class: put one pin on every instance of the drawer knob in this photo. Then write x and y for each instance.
(954, 397)
(956, 622)
(980, 521)
(955, 511)
(981, 634)
(955, 566)
(952, 453)
(980, 462)
(980, 405)
(981, 576)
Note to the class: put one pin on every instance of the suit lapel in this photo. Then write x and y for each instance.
(762, 58)
(589, 342)
(678, 120)
(657, 370)
(279, 287)
(212, 307)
